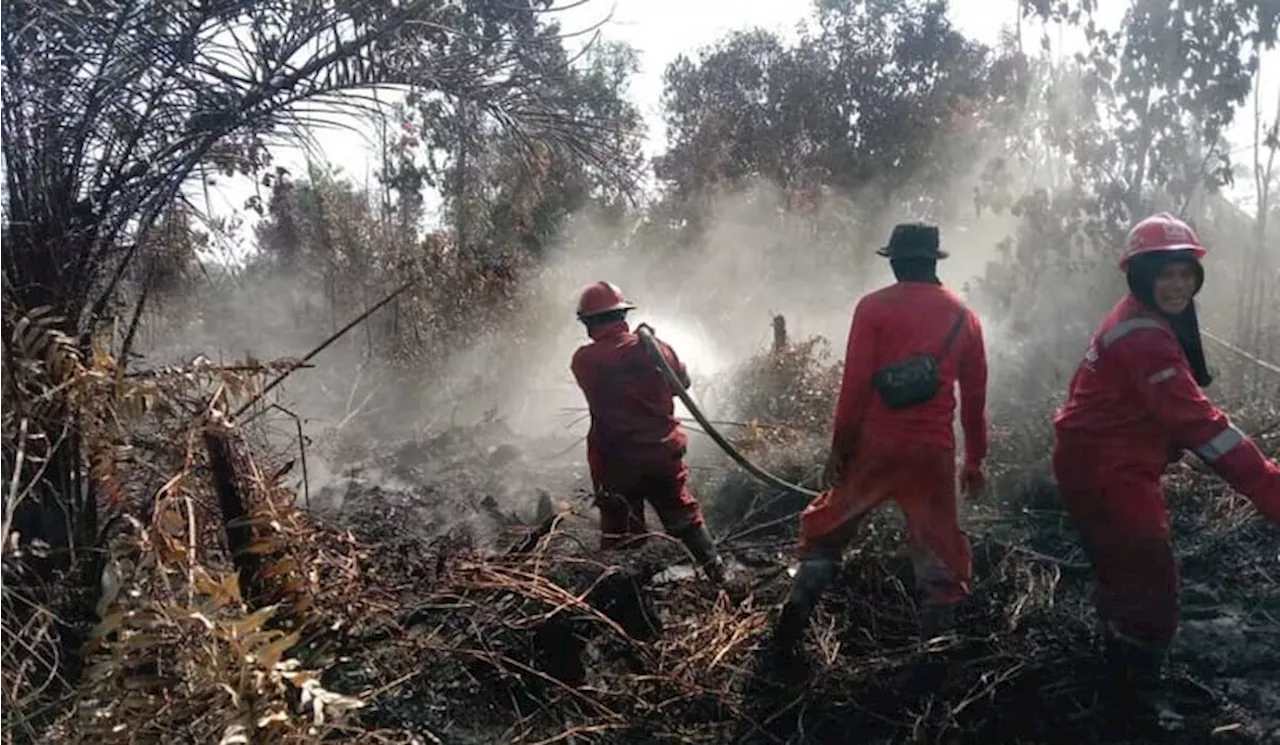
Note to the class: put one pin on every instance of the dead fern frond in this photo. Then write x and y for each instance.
(45, 356)
(102, 468)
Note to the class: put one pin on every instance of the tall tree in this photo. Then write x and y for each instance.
(111, 108)
(864, 102)
(1132, 124)
(1160, 91)
(504, 191)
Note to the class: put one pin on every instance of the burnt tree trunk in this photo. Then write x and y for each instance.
(48, 235)
(230, 465)
(57, 507)
(60, 508)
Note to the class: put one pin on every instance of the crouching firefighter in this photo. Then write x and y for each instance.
(1135, 402)
(893, 437)
(635, 447)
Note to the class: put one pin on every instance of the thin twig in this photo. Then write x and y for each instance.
(202, 369)
(11, 504)
(323, 346)
(129, 336)
(302, 454)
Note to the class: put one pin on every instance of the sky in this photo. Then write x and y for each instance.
(661, 30)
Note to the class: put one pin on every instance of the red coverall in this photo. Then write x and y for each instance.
(906, 455)
(1132, 403)
(635, 447)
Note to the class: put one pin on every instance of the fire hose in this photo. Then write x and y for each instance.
(1257, 361)
(645, 332)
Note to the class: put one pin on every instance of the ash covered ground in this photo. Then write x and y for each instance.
(512, 626)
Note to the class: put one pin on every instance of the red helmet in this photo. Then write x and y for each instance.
(601, 297)
(1161, 232)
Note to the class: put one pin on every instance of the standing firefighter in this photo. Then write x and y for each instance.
(1134, 403)
(893, 438)
(635, 447)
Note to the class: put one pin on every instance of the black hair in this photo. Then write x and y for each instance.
(1141, 276)
(915, 269)
(602, 319)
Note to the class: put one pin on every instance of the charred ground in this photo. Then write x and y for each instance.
(187, 560)
(651, 658)
(437, 591)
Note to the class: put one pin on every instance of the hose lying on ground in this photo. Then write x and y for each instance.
(645, 332)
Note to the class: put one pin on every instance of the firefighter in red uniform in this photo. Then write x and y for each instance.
(893, 437)
(635, 447)
(1134, 404)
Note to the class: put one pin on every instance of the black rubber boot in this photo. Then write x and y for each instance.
(1132, 662)
(783, 654)
(812, 578)
(1136, 670)
(698, 541)
(546, 508)
(789, 627)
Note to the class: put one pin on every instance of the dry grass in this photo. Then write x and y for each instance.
(450, 641)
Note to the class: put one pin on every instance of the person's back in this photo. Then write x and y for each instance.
(631, 404)
(635, 448)
(892, 440)
(911, 318)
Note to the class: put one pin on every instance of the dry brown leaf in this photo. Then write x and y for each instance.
(270, 655)
(253, 622)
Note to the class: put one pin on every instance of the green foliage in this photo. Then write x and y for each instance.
(99, 142)
(872, 98)
(1158, 94)
(503, 191)
(1132, 125)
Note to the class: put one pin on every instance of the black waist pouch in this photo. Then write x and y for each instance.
(914, 380)
(910, 382)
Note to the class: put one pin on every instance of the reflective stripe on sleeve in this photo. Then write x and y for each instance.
(1162, 376)
(1221, 444)
(1124, 328)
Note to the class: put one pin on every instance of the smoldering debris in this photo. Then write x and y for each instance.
(567, 642)
(525, 632)
(435, 595)
(473, 482)
(548, 639)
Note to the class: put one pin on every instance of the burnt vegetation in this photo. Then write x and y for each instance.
(204, 543)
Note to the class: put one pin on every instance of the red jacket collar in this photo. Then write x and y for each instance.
(608, 330)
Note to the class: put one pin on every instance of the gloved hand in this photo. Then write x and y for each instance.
(973, 480)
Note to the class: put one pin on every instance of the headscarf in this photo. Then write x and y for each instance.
(1141, 275)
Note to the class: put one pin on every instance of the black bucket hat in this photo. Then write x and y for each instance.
(913, 240)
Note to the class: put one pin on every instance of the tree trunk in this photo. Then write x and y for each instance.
(267, 575)
(229, 464)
